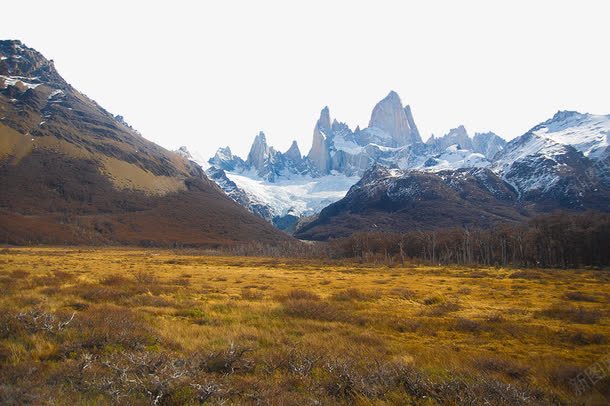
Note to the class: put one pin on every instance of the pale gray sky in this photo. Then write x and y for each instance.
(212, 73)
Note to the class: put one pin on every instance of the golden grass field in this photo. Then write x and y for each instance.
(145, 326)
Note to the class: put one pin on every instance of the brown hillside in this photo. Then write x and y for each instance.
(70, 172)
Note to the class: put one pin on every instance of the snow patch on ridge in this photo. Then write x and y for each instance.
(588, 133)
(13, 80)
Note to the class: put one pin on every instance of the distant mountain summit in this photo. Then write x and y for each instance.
(390, 117)
(72, 173)
(561, 163)
(339, 156)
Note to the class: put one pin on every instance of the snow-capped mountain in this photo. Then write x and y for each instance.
(561, 163)
(293, 185)
(564, 159)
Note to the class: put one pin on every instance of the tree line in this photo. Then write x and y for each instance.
(555, 240)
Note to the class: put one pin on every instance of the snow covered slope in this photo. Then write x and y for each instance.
(562, 160)
(298, 196)
(587, 133)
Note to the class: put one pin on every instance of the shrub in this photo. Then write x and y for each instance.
(227, 361)
(40, 320)
(580, 297)
(406, 325)
(467, 325)
(430, 300)
(19, 274)
(150, 300)
(192, 313)
(115, 280)
(583, 338)
(146, 278)
(312, 309)
(563, 375)
(501, 365)
(101, 293)
(251, 294)
(495, 318)
(301, 294)
(181, 282)
(526, 274)
(440, 309)
(9, 324)
(571, 313)
(105, 325)
(403, 293)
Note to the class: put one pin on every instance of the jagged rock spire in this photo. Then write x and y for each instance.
(319, 153)
(411, 122)
(390, 116)
(258, 152)
(324, 120)
(293, 153)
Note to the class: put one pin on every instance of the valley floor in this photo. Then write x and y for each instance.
(136, 326)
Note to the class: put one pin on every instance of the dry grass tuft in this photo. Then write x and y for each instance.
(403, 293)
(314, 309)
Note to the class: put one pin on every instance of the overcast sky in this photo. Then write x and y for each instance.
(211, 73)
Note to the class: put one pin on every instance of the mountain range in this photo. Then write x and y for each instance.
(72, 173)
(561, 163)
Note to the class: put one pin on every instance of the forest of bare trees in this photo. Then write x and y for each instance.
(556, 240)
